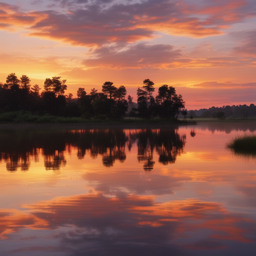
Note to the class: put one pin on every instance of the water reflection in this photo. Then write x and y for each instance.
(198, 200)
(228, 127)
(192, 133)
(17, 149)
(132, 225)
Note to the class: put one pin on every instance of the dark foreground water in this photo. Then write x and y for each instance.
(126, 192)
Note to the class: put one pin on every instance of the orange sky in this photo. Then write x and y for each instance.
(206, 49)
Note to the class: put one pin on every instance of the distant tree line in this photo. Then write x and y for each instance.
(243, 111)
(18, 94)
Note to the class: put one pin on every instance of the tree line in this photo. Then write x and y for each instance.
(18, 94)
(243, 111)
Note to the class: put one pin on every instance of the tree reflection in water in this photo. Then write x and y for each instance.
(167, 143)
(18, 148)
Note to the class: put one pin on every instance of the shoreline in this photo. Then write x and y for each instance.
(138, 124)
(4, 126)
(144, 124)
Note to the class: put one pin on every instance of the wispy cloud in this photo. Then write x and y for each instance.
(158, 56)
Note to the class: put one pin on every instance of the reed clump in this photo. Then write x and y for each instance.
(245, 145)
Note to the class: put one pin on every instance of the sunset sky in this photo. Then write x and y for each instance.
(205, 49)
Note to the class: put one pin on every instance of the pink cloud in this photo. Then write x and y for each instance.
(98, 23)
(11, 17)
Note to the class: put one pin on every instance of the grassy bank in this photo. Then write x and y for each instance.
(26, 118)
(245, 146)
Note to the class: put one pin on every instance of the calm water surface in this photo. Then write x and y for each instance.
(121, 192)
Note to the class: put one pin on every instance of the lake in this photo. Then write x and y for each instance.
(164, 190)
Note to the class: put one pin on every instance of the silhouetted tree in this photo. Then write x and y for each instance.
(168, 102)
(12, 81)
(184, 112)
(25, 82)
(55, 85)
(35, 90)
(53, 96)
(120, 93)
(81, 93)
(149, 88)
(94, 94)
(102, 106)
(145, 99)
(121, 105)
(85, 103)
(165, 93)
(130, 98)
(13, 95)
(69, 98)
(120, 108)
(109, 89)
(142, 103)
